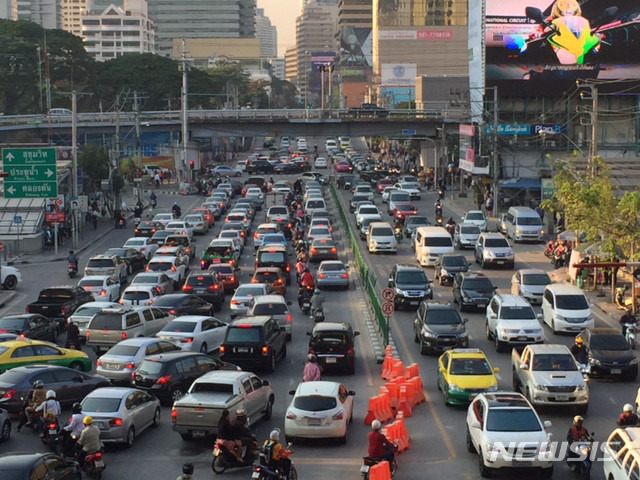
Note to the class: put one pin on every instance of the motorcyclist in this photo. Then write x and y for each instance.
(628, 418)
(627, 318)
(306, 279)
(278, 454)
(438, 208)
(176, 210)
(317, 302)
(36, 397)
(312, 371)
(73, 259)
(187, 472)
(379, 445)
(89, 440)
(300, 267)
(579, 351)
(153, 199)
(73, 335)
(576, 433)
(119, 217)
(226, 434)
(73, 431)
(137, 211)
(240, 432)
(50, 408)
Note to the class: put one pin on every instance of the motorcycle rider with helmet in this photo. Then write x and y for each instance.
(73, 259)
(379, 445)
(576, 433)
(36, 397)
(50, 408)
(317, 302)
(241, 432)
(176, 210)
(277, 453)
(628, 418)
(73, 431)
(627, 318)
(187, 472)
(312, 371)
(579, 351)
(89, 440)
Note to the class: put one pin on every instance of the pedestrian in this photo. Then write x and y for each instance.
(540, 212)
(161, 176)
(488, 204)
(157, 179)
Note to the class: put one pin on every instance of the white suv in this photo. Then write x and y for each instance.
(622, 454)
(511, 321)
(506, 432)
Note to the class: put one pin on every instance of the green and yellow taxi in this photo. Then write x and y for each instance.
(23, 351)
(463, 373)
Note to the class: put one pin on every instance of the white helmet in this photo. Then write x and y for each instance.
(275, 435)
(51, 394)
(627, 408)
(376, 425)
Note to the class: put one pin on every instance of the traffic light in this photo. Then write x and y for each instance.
(192, 164)
(309, 107)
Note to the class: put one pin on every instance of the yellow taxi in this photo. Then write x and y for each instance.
(24, 351)
(463, 373)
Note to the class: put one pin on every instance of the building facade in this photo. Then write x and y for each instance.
(291, 65)
(70, 15)
(42, 12)
(117, 31)
(267, 34)
(277, 68)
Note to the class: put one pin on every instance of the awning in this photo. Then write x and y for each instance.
(521, 183)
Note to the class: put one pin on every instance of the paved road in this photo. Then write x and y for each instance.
(437, 432)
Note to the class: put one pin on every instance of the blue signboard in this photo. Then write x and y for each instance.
(511, 129)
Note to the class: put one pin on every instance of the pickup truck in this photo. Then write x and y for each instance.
(219, 251)
(197, 413)
(59, 303)
(548, 375)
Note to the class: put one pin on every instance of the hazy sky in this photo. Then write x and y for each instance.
(283, 15)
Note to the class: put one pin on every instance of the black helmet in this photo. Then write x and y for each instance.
(187, 468)
(77, 408)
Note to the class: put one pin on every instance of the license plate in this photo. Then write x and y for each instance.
(102, 426)
(480, 304)
(52, 431)
(562, 398)
(198, 433)
(414, 302)
(314, 421)
(99, 463)
(255, 475)
(242, 350)
(330, 360)
(522, 339)
(500, 262)
(364, 469)
(616, 371)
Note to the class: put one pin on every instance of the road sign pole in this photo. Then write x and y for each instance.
(55, 238)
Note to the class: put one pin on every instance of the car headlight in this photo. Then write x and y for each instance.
(428, 334)
(595, 361)
(539, 387)
(464, 334)
(634, 361)
(399, 292)
(493, 388)
(589, 318)
(581, 388)
(466, 299)
(489, 253)
(518, 232)
(443, 272)
(455, 388)
(561, 318)
(491, 448)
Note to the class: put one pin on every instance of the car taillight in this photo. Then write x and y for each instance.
(98, 455)
(103, 292)
(129, 366)
(213, 287)
(9, 393)
(172, 311)
(232, 279)
(63, 310)
(123, 335)
(279, 281)
(87, 334)
(314, 251)
(174, 415)
(26, 309)
(186, 340)
(351, 352)
(173, 268)
(242, 234)
(221, 350)
(98, 363)
(345, 275)
(52, 426)
(265, 350)
(291, 415)
(148, 268)
(289, 317)
(255, 235)
(235, 302)
(321, 275)
(115, 422)
(187, 288)
(333, 250)
(254, 280)
(121, 302)
(203, 264)
(163, 380)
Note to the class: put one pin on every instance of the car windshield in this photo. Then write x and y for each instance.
(100, 263)
(559, 362)
(469, 230)
(382, 232)
(443, 316)
(477, 284)
(91, 282)
(264, 230)
(249, 291)
(517, 313)
(315, 403)
(332, 338)
(332, 267)
(417, 221)
(243, 335)
(135, 243)
(221, 250)
(572, 302)
(106, 321)
(136, 295)
(270, 309)
(124, 350)
(212, 388)
(319, 232)
(180, 326)
(149, 367)
(405, 207)
(470, 366)
(439, 241)
(121, 252)
(608, 342)
(367, 210)
(159, 266)
(496, 243)
(271, 257)
(145, 279)
(454, 261)
(12, 323)
(222, 269)
(512, 420)
(416, 277)
(536, 279)
(315, 204)
(100, 405)
(528, 221)
(475, 216)
(87, 311)
(278, 211)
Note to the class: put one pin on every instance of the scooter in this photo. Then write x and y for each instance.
(397, 232)
(304, 299)
(52, 437)
(580, 462)
(121, 223)
(264, 471)
(369, 462)
(93, 464)
(136, 221)
(318, 315)
(225, 459)
(72, 270)
(630, 335)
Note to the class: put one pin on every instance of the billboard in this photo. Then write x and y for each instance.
(319, 59)
(476, 60)
(356, 47)
(561, 40)
(399, 74)
(394, 96)
(418, 13)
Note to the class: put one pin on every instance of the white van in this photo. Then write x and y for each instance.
(431, 243)
(565, 308)
(395, 197)
(313, 205)
(523, 223)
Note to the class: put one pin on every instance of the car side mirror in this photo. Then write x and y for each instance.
(496, 370)
(265, 383)
(356, 333)
(351, 392)
(539, 316)
(465, 320)
(547, 424)
(495, 288)
(78, 379)
(309, 333)
(390, 283)
(524, 366)
(292, 392)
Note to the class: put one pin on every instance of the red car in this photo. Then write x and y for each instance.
(343, 167)
(404, 210)
(383, 183)
(226, 273)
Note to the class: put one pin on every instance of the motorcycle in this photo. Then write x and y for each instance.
(136, 221)
(623, 302)
(72, 270)
(154, 203)
(94, 465)
(630, 334)
(369, 462)
(264, 471)
(121, 223)
(304, 299)
(580, 461)
(52, 437)
(318, 315)
(397, 232)
(440, 193)
(225, 459)
(450, 228)
(439, 221)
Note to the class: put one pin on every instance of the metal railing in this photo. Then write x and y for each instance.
(368, 278)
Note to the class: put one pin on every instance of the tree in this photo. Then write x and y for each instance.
(94, 162)
(283, 94)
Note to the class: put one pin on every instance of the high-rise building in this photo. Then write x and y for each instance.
(198, 19)
(42, 12)
(5, 9)
(355, 13)
(116, 31)
(267, 34)
(291, 65)
(70, 14)
(277, 68)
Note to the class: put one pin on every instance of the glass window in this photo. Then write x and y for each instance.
(315, 403)
(470, 366)
(517, 313)
(189, 365)
(512, 420)
(132, 319)
(148, 316)
(152, 349)
(256, 383)
(536, 279)
(615, 443)
(205, 363)
(149, 367)
(438, 241)
(45, 377)
(66, 376)
(38, 471)
(553, 362)
(572, 302)
(97, 404)
(246, 384)
(45, 351)
(243, 335)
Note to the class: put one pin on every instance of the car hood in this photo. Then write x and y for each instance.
(572, 377)
(412, 286)
(473, 381)
(456, 268)
(500, 250)
(532, 289)
(620, 356)
(451, 328)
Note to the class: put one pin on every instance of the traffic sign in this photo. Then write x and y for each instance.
(388, 294)
(54, 217)
(408, 132)
(17, 219)
(387, 308)
(31, 172)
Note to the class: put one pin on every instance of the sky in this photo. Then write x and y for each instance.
(282, 14)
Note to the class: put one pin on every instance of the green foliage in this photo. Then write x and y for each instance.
(94, 162)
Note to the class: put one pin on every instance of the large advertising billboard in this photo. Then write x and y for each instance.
(356, 54)
(319, 59)
(399, 74)
(418, 13)
(562, 40)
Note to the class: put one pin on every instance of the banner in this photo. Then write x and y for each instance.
(398, 75)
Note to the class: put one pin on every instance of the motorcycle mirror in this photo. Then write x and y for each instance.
(292, 392)
(534, 14)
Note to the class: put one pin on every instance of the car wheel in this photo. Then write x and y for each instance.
(203, 348)
(416, 338)
(10, 283)
(6, 431)
(553, 326)
(498, 344)
(485, 472)
(131, 437)
(470, 447)
(423, 347)
(156, 418)
(76, 366)
(269, 410)
(176, 394)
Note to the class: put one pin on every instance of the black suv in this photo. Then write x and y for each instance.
(275, 256)
(472, 290)
(30, 325)
(410, 286)
(439, 327)
(254, 341)
(333, 345)
(168, 376)
(259, 166)
(448, 266)
(207, 285)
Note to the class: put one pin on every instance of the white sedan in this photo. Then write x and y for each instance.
(321, 162)
(144, 245)
(412, 187)
(319, 410)
(386, 192)
(104, 288)
(195, 333)
(172, 266)
(140, 295)
(176, 226)
(197, 221)
(226, 171)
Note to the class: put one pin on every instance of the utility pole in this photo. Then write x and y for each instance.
(593, 148)
(494, 157)
(185, 104)
(330, 69)
(322, 70)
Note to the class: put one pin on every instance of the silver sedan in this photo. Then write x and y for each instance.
(332, 273)
(121, 413)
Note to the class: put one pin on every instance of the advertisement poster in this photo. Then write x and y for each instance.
(399, 75)
(562, 40)
(357, 47)
(319, 59)
(467, 155)
(476, 60)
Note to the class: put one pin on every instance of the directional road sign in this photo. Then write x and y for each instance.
(408, 132)
(388, 294)
(31, 172)
(387, 308)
